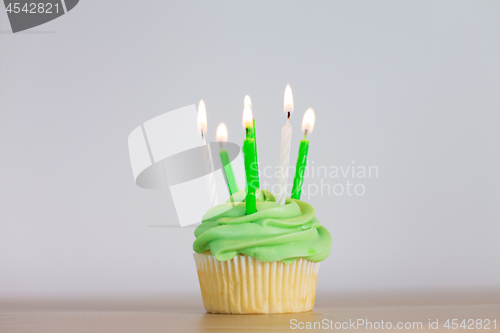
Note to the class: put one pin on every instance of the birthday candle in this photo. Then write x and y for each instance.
(286, 140)
(250, 156)
(202, 127)
(221, 136)
(252, 133)
(307, 127)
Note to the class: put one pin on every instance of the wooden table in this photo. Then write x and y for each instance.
(184, 313)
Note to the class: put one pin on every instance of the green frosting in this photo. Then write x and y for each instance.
(274, 233)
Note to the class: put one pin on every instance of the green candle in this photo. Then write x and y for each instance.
(249, 154)
(247, 102)
(221, 136)
(307, 126)
(300, 168)
(228, 171)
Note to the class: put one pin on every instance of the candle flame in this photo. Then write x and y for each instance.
(247, 117)
(202, 118)
(288, 105)
(221, 134)
(247, 101)
(308, 121)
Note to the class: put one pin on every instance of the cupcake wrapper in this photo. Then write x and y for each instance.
(247, 285)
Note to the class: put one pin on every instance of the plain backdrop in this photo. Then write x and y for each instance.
(409, 87)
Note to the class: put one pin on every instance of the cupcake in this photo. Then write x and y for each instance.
(266, 262)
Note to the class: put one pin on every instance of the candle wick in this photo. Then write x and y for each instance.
(246, 128)
(288, 115)
(202, 135)
(305, 134)
(220, 144)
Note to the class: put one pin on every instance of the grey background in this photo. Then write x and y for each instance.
(412, 87)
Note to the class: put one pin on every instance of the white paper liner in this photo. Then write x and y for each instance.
(247, 285)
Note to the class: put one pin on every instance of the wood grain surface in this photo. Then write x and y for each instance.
(185, 313)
